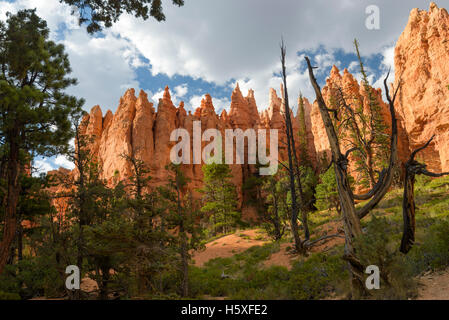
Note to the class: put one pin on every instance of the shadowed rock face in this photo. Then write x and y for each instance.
(421, 61)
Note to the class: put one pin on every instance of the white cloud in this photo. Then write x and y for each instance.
(181, 90)
(42, 166)
(218, 41)
(62, 161)
(104, 67)
(387, 64)
(388, 60)
(236, 39)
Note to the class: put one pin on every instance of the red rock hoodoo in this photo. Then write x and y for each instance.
(137, 129)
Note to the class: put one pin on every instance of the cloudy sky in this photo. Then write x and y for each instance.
(207, 46)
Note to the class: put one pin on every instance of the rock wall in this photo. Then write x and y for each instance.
(137, 129)
(421, 61)
(422, 65)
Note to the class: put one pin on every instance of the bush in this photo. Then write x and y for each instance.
(433, 253)
(32, 277)
(377, 246)
(9, 296)
(318, 276)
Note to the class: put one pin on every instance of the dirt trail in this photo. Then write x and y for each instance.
(434, 286)
(230, 245)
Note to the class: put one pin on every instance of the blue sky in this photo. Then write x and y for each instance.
(209, 45)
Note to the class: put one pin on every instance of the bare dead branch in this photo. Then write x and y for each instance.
(414, 153)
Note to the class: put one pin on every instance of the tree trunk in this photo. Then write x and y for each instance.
(352, 225)
(369, 164)
(104, 283)
(10, 225)
(291, 165)
(19, 242)
(185, 266)
(408, 212)
(412, 168)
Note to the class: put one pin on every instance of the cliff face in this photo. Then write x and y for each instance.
(137, 129)
(421, 62)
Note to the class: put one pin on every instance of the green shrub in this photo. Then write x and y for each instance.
(318, 276)
(379, 246)
(9, 296)
(32, 277)
(433, 252)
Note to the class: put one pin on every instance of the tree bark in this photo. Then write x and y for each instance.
(412, 168)
(292, 168)
(408, 212)
(352, 225)
(10, 225)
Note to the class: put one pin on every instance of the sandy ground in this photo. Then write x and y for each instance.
(434, 286)
(286, 259)
(228, 246)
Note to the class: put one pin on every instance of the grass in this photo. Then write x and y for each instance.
(322, 275)
(248, 279)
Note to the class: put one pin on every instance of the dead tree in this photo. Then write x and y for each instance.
(293, 167)
(351, 215)
(413, 168)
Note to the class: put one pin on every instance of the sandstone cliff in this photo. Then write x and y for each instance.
(139, 129)
(421, 63)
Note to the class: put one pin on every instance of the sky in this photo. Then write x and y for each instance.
(207, 46)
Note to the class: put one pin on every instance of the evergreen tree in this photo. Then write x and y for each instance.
(183, 216)
(34, 110)
(107, 243)
(364, 128)
(34, 203)
(277, 209)
(326, 191)
(148, 238)
(220, 197)
(103, 13)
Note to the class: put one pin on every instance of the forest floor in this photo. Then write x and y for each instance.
(253, 250)
(230, 245)
(434, 286)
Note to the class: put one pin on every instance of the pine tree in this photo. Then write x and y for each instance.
(326, 191)
(183, 216)
(149, 238)
(365, 129)
(103, 13)
(34, 110)
(34, 203)
(275, 218)
(220, 197)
